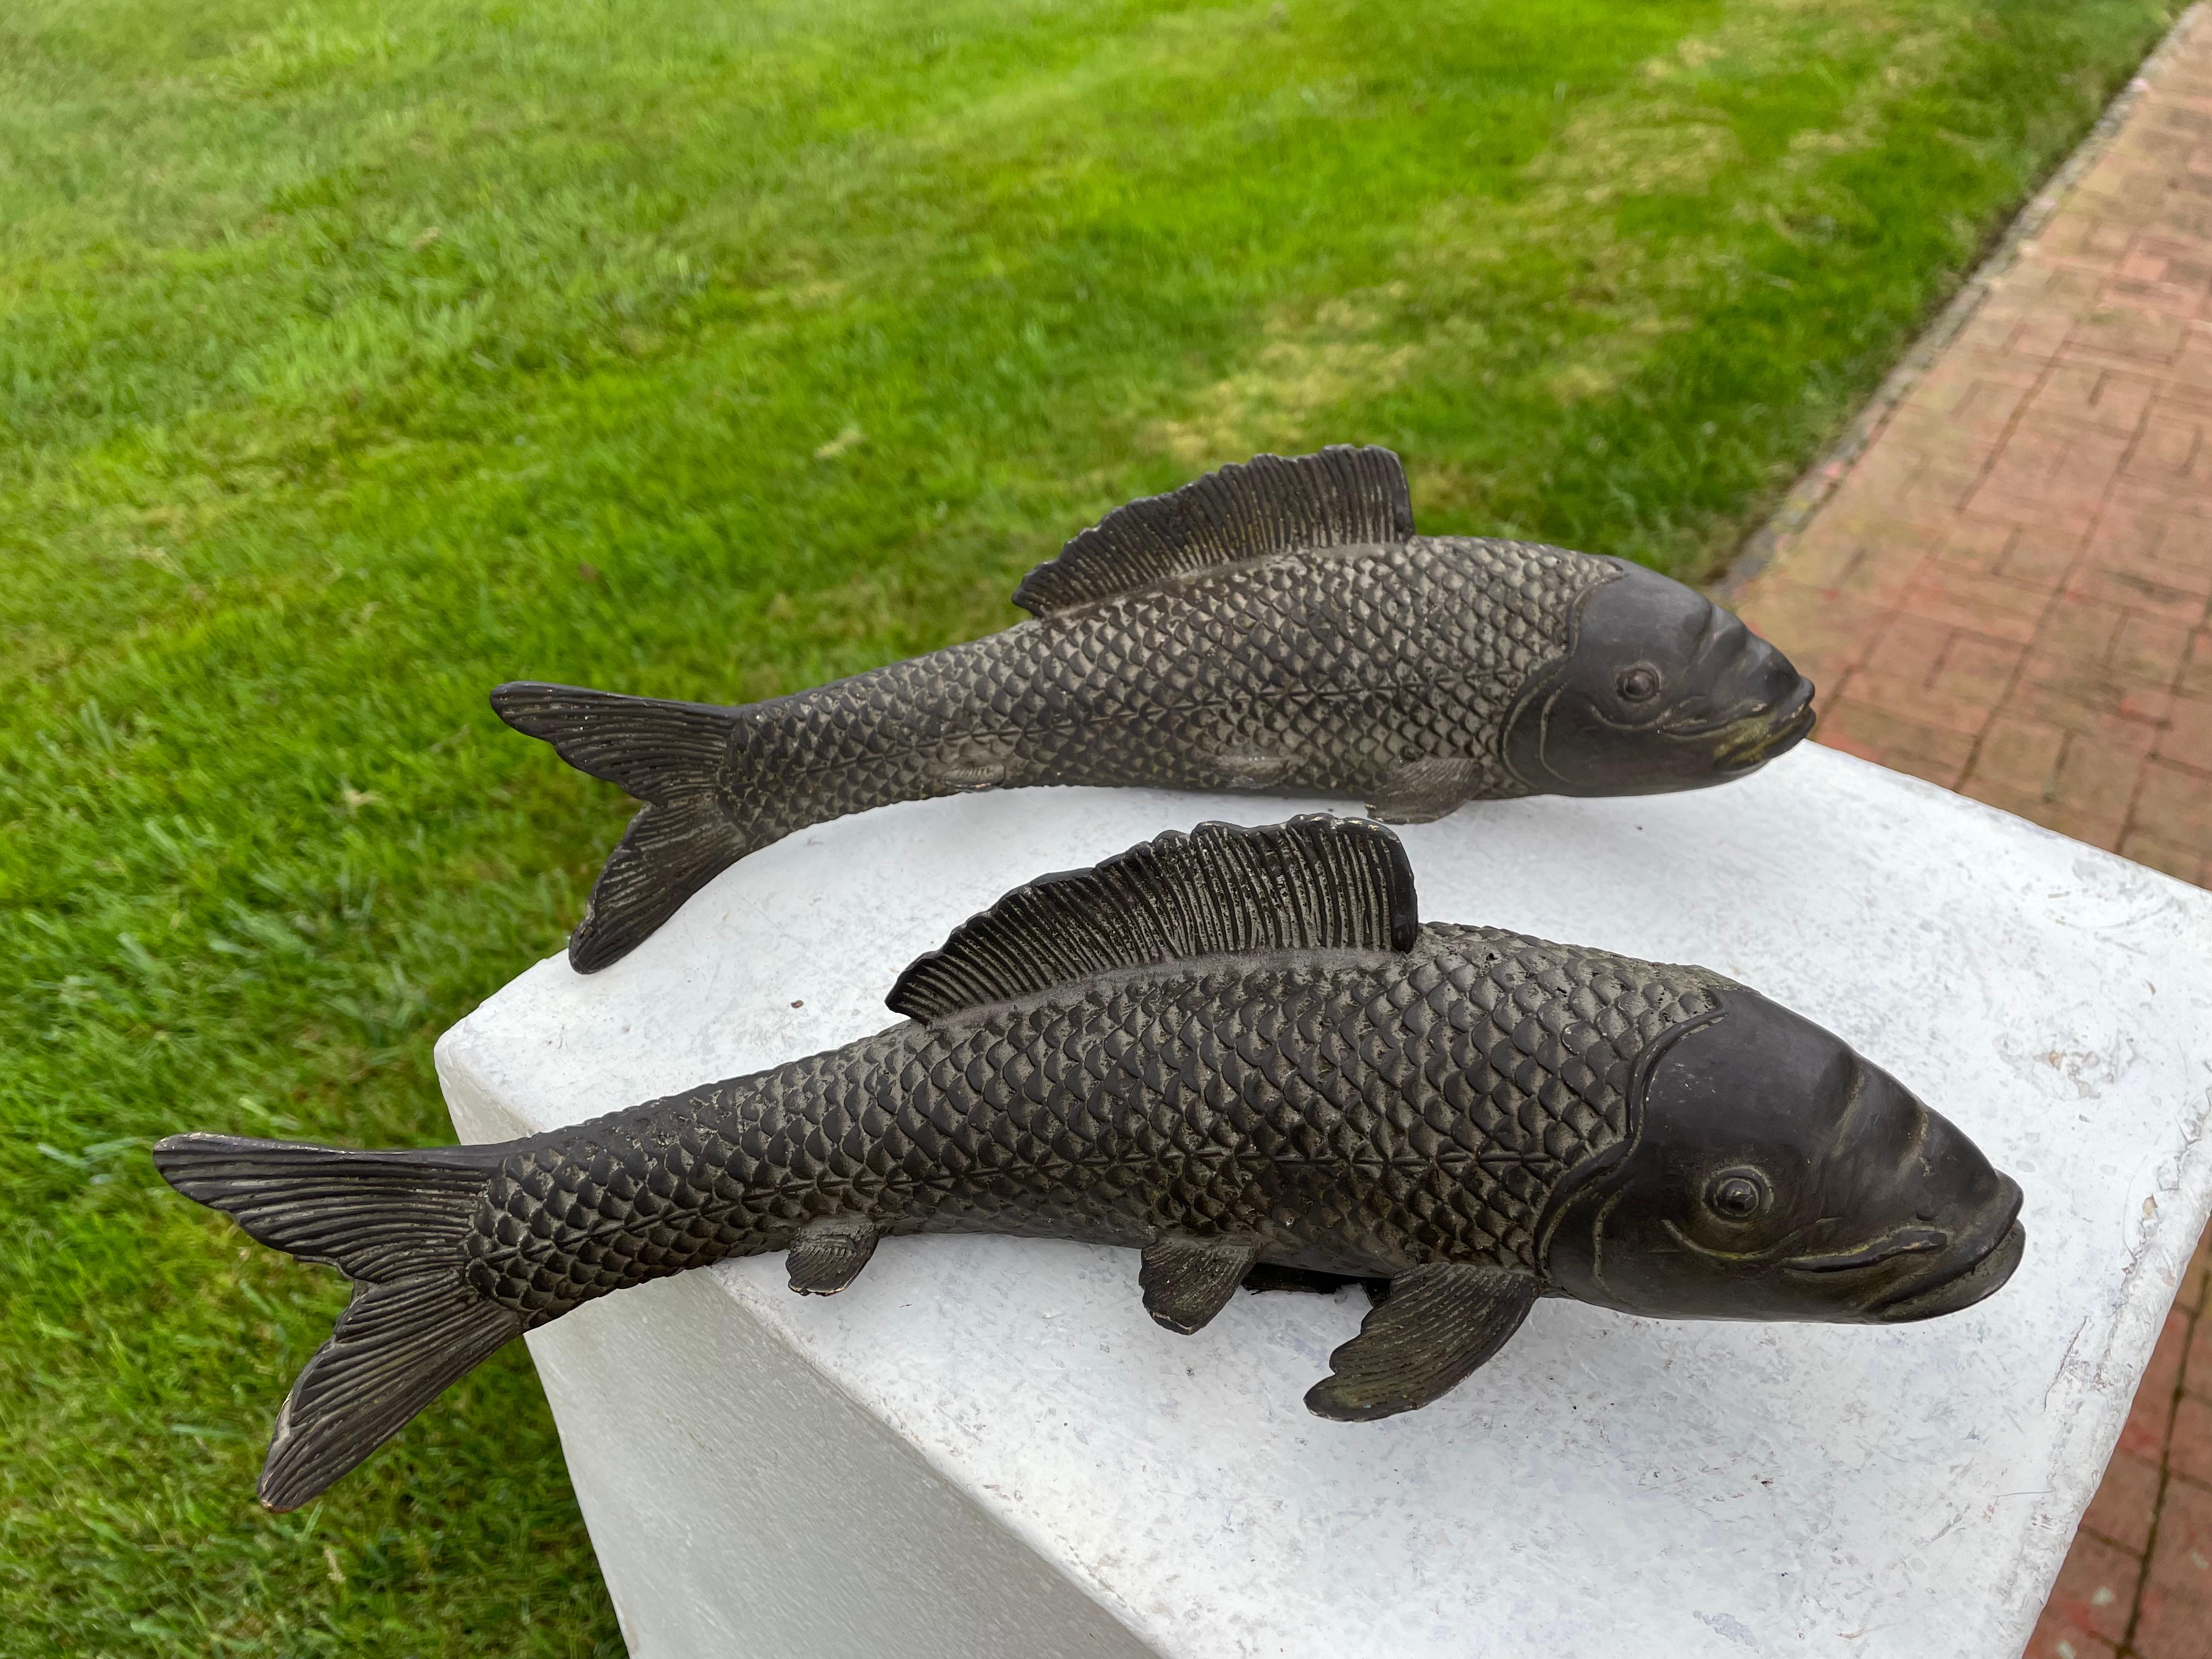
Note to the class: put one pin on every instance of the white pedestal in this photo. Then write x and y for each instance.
(985, 1448)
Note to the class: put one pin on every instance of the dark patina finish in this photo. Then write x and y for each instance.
(1275, 626)
(1238, 1051)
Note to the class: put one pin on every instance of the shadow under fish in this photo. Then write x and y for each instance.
(1276, 626)
(1238, 1051)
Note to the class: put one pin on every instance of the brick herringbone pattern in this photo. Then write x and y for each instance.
(2009, 592)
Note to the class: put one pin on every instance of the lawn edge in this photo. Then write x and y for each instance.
(1818, 481)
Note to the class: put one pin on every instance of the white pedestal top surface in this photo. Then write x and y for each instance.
(1607, 1485)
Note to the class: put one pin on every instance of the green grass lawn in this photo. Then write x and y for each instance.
(357, 357)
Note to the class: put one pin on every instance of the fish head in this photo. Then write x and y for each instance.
(1662, 689)
(1772, 1173)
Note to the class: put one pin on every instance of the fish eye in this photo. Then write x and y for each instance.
(1738, 1195)
(1637, 681)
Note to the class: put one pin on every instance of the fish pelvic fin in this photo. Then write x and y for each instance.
(674, 756)
(1438, 1323)
(1187, 1281)
(392, 1221)
(827, 1255)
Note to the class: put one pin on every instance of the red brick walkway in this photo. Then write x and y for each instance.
(2007, 590)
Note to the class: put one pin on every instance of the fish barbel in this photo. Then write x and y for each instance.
(1275, 626)
(1233, 1049)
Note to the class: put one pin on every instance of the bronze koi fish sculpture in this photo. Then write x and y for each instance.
(1232, 1050)
(1274, 626)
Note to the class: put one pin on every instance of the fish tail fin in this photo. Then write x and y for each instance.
(394, 1222)
(668, 754)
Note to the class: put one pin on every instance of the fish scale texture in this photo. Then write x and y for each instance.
(1357, 1112)
(1330, 672)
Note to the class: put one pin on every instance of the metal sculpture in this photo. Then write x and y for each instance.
(1276, 626)
(1238, 1051)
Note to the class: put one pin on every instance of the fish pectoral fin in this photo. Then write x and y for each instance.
(975, 761)
(1249, 768)
(964, 778)
(827, 1255)
(1186, 1283)
(1437, 1324)
(1426, 789)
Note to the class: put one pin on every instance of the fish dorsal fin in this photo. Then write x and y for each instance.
(1316, 883)
(1342, 496)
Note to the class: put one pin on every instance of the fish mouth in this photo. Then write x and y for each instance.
(1978, 1267)
(1985, 1278)
(1752, 741)
(1910, 1240)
